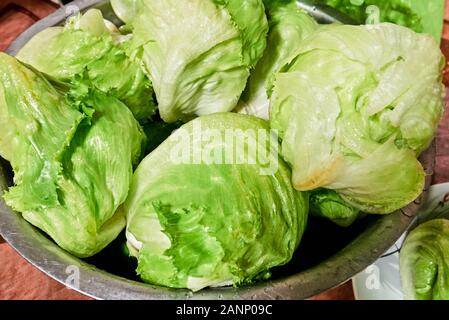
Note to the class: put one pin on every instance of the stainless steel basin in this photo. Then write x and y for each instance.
(327, 256)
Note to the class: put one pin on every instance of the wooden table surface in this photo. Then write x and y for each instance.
(20, 280)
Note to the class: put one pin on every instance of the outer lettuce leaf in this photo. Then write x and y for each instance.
(207, 224)
(424, 262)
(72, 157)
(198, 53)
(355, 108)
(87, 49)
(288, 27)
(419, 15)
(126, 10)
(37, 125)
(251, 21)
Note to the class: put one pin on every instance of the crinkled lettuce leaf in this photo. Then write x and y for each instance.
(72, 152)
(329, 205)
(89, 49)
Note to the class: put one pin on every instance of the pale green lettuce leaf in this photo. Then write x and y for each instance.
(288, 27)
(126, 10)
(355, 108)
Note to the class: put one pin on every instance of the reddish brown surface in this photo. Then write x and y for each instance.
(343, 292)
(17, 15)
(442, 161)
(442, 165)
(20, 280)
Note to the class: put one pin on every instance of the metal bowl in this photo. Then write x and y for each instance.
(327, 257)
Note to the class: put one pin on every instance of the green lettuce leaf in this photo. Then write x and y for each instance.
(288, 27)
(126, 10)
(88, 48)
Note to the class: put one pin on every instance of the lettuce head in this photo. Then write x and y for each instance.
(355, 108)
(204, 210)
(198, 53)
(424, 262)
(72, 153)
